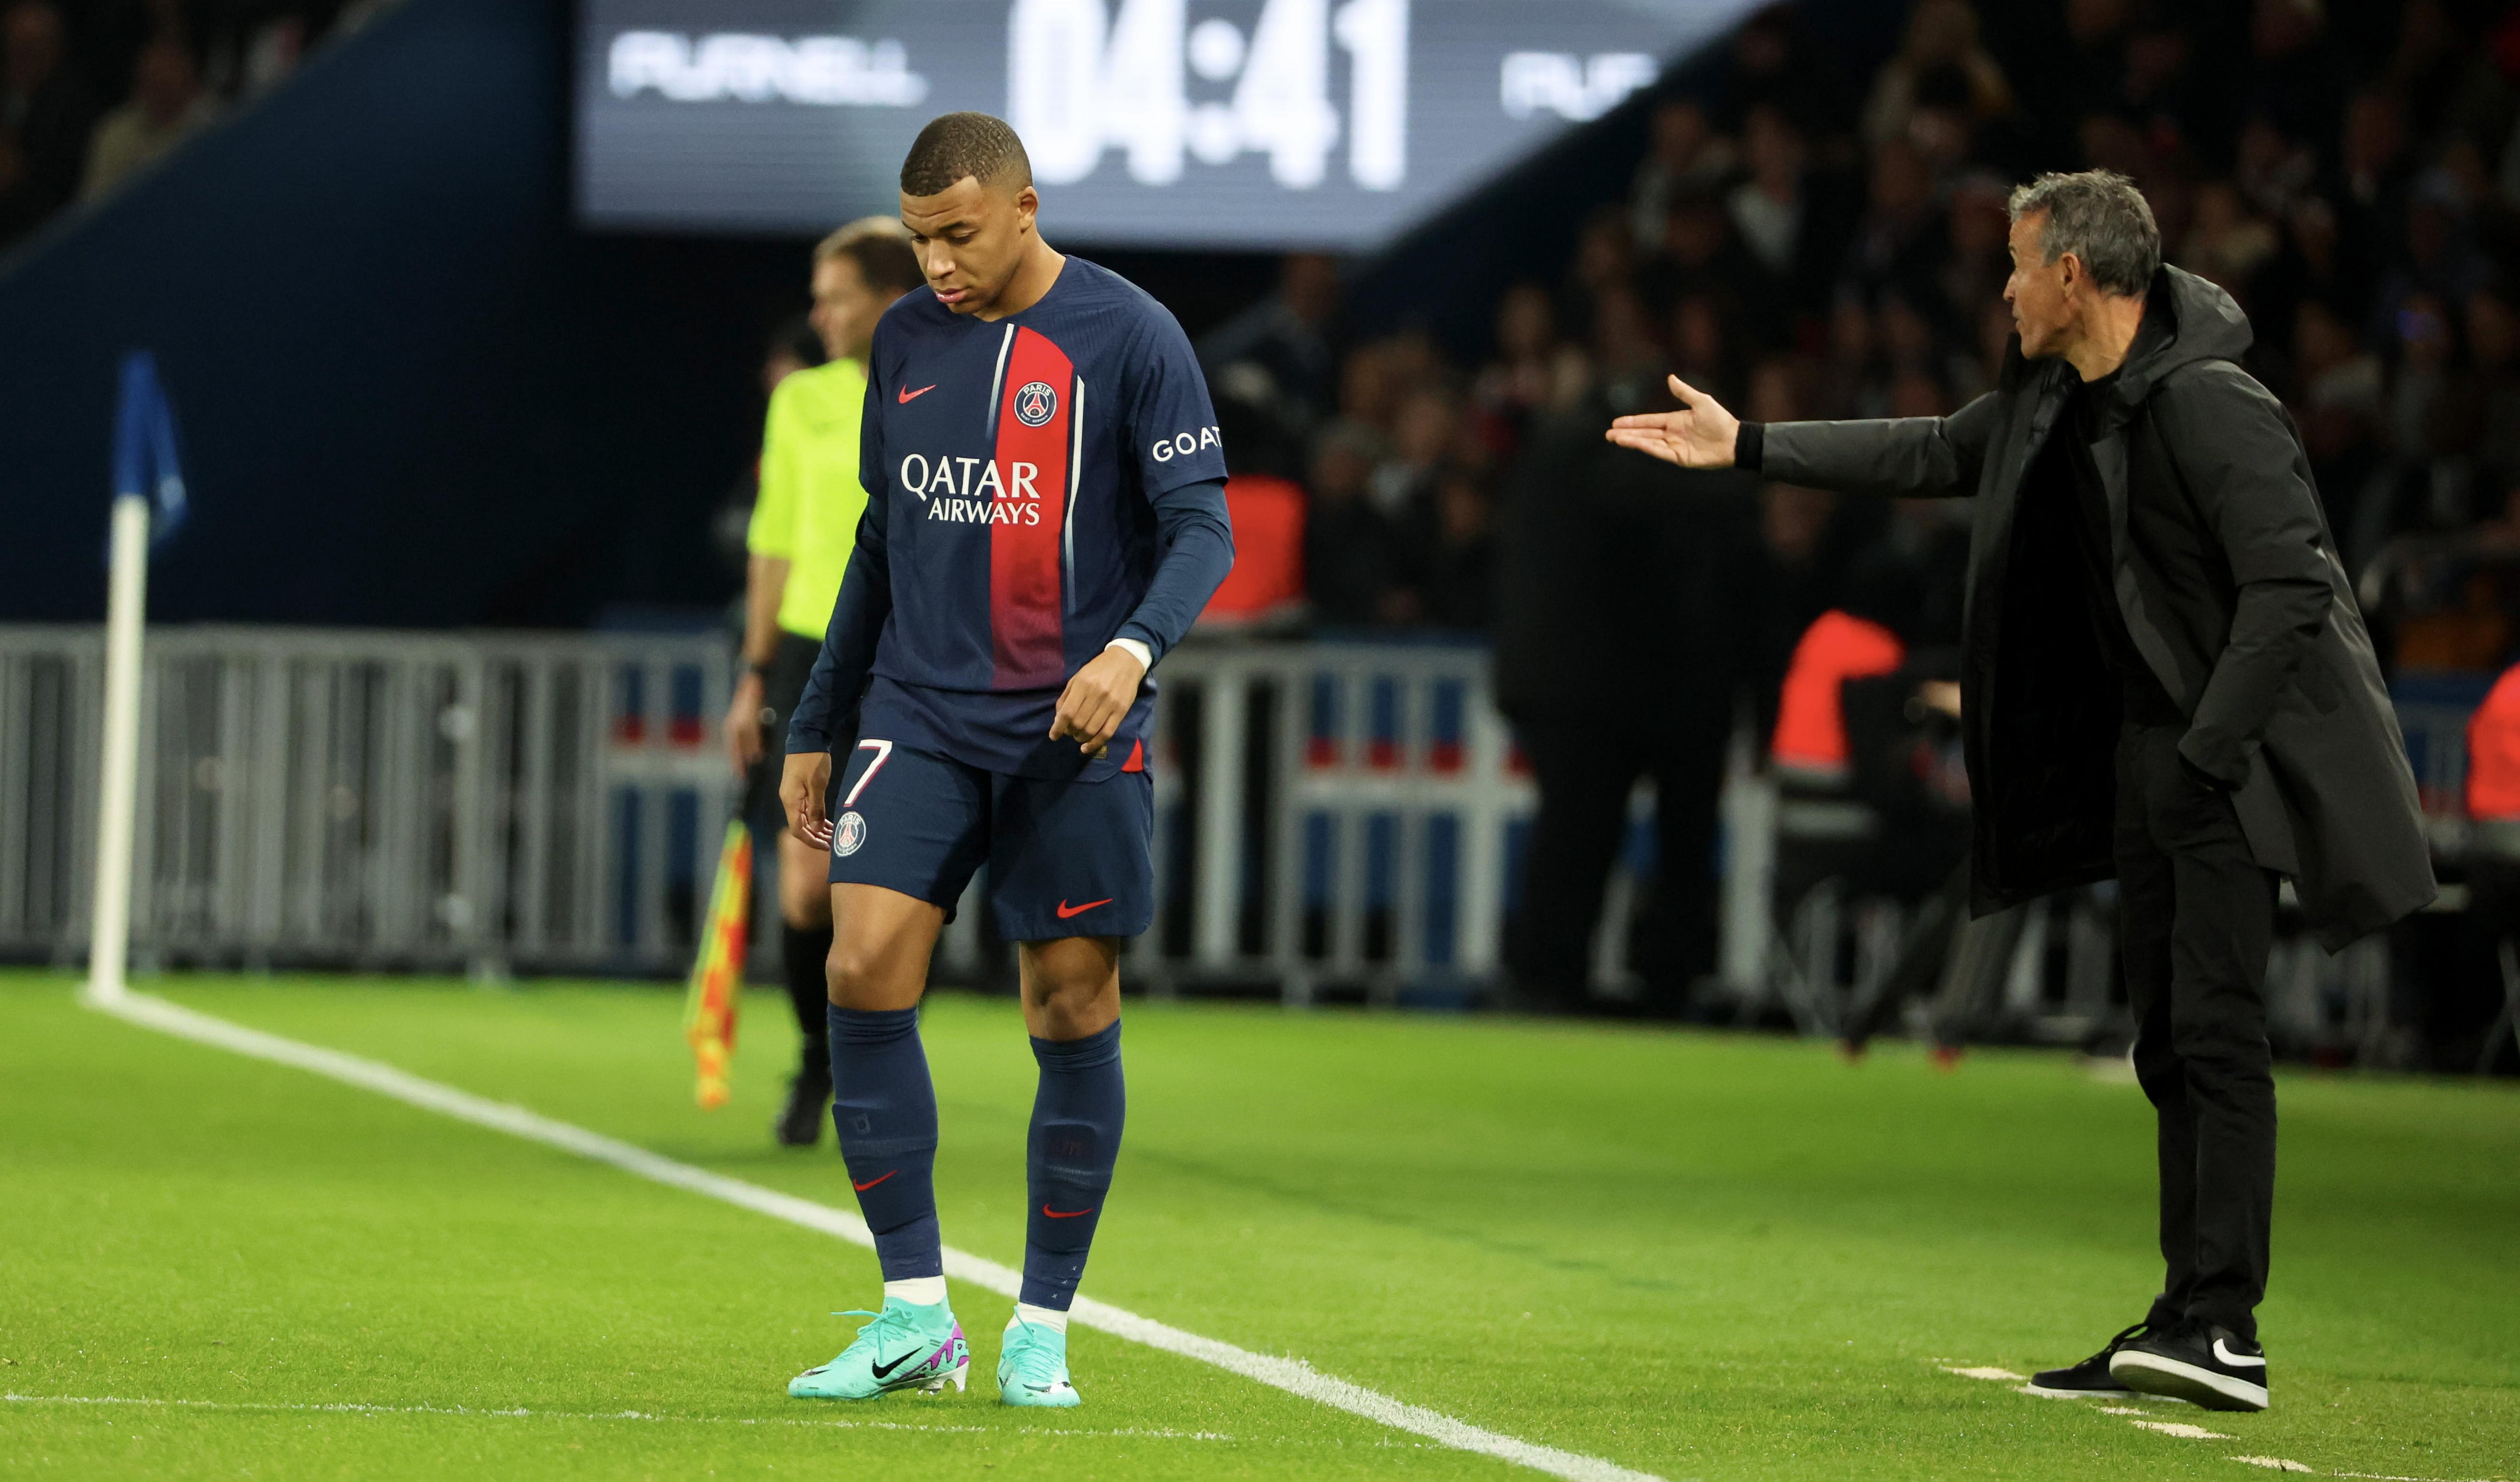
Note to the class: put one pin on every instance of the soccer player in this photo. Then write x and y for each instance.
(1044, 517)
(803, 524)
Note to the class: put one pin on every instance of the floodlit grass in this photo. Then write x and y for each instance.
(1696, 1255)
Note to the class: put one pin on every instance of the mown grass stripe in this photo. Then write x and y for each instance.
(1293, 1375)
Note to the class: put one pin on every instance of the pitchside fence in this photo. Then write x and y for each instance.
(1332, 818)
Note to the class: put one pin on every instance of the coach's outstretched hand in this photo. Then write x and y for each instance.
(1699, 435)
(1095, 702)
(802, 785)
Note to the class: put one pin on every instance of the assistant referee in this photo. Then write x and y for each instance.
(804, 524)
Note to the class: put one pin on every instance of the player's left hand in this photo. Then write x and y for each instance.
(1095, 702)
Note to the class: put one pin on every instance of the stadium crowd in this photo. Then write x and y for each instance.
(1801, 242)
(1804, 246)
(92, 90)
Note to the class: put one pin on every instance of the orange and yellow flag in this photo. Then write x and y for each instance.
(717, 973)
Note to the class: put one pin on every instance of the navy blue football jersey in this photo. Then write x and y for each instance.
(1014, 471)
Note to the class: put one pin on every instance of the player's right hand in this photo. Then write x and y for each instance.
(1699, 435)
(802, 785)
(743, 724)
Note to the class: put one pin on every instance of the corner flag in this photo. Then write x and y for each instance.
(717, 973)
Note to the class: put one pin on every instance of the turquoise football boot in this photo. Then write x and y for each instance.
(1032, 1368)
(906, 1347)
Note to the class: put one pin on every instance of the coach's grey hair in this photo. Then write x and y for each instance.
(2101, 218)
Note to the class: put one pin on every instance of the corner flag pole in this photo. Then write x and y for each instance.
(144, 455)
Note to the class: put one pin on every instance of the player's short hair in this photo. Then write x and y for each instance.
(2101, 218)
(956, 145)
(881, 248)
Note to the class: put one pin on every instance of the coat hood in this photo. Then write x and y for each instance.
(2204, 322)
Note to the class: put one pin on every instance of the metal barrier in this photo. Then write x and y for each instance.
(373, 799)
(494, 802)
(1343, 816)
(1331, 818)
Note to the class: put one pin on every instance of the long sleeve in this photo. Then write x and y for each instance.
(2248, 478)
(830, 704)
(1906, 457)
(1199, 551)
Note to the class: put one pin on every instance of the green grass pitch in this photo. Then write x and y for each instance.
(1696, 1255)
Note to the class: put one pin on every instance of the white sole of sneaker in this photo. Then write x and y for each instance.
(2070, 1393)
(936, 1386)
(2153, 1374)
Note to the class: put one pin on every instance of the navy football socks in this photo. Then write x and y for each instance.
(885, 1109)
(1076, 1119)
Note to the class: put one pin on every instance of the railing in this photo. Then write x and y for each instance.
(373, 799)
(1332, 819)
(1329, 814)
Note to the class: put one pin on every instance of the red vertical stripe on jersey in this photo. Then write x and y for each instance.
(1024, 608)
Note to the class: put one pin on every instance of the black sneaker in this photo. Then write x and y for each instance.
(2092, 1376)
(2204, 1365)
(800, 1121)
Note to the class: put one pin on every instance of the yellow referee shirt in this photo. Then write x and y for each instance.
(808, 511)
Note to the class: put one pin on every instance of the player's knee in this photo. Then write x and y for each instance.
(854, 975)
(1074, 998)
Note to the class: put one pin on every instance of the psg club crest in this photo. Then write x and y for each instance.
(1036, 403)
(848, 832)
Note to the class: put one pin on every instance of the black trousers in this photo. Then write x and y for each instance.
(1585, 767)
(2196, 918)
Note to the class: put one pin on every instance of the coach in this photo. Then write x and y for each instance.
(2165, 679)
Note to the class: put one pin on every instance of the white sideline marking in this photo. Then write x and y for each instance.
(344, 1407)
(2182, 1429)
(1293, 1375)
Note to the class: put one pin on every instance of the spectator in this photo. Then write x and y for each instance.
(1773, 212)
(1351, 555)
(2225, 243)
(1266, 587)
(2294, 78)
(1592, 542)
(2273, 170)
(1457, 563)
(1851, 383)
(1899, 246)
(1701, 254)
(1775, 65)
(1941, 33)
(1976, 237)
(1699, 345)
(1687, 156)
(1421, 436)
(1292, 336)
(1627, 365)
(45, 114)
(1604, 261)
(1532, 371)
(167, 105)
(2494, 352)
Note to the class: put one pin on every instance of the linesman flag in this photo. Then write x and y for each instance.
(717, 973)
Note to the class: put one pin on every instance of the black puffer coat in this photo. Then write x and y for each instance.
(2229, 580)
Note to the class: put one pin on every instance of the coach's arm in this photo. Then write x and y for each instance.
(2249, 480)
(1906, 457)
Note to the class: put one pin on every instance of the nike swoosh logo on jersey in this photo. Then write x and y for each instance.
(1065, 1213)
(1066, 910)
(908, 395)
(870, 1182)
(2236, 1359)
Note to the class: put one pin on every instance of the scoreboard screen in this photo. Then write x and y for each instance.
(1247, 123)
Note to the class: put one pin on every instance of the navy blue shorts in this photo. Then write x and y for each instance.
(1064, 858)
